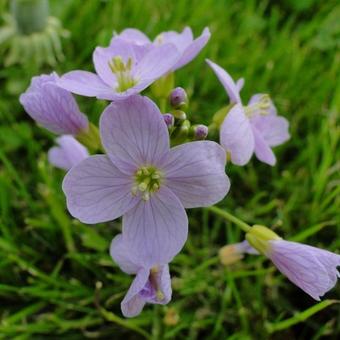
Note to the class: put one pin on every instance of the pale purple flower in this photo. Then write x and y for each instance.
(122, 69)
(254, 128)
(187, 46)
(68, 154)
(52, 107)
(150, 285)
(312, 269)
(144, 180)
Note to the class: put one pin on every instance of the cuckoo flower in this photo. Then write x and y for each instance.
(122, 69)
(69, 153)
(52, 107)
(312, 269)
(151, 284)
(254, 128)
(144, 180)
(187, 46)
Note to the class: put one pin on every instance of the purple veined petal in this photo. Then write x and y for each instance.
(240, 84)
(134, 133)
(180, 40)
(273, 128)
(68, 154)
(193, 49)
(236, 136)
(311, 269)
(262, 150)
(154, 65)
(96, 191)
(37, 82)
(121, 254)
(156, 229)
(195, 173)
(85, 84)
(256, 98)
(227, 82)
(245, 248)
(132, 35)
(53, 108)
(133, 302)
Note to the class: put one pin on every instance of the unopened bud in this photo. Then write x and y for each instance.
(178, 98)
(169, 120)
(180, 115)
(200, 132)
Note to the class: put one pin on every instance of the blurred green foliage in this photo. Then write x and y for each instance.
(56, 277)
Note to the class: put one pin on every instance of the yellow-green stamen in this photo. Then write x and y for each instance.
(261, 107)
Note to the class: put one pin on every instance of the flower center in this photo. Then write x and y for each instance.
(147, 181)
(123, 74)
(261, 107)
(152, 289)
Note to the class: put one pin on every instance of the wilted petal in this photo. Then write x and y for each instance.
(133, 302)
(68, 154)
(195, 172)
(228, 83)
(96, 191)
(156, 63)
(156, 228)
(262, 150)
(86, 84)
(193, 49)
(133, 35)
(121, 254)
(133, 132)
(52, 107)
(312, 269)
(236, 136)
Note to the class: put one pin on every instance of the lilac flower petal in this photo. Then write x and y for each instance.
(133, 35)
(313, 270)
(52, 107)
(245, 248)
(228, 83)
(273, 129)
(257, 97)
(180, 40)
(262, 150)
(154, 65)
(236, 136)
(157, 229)
(240, 84)
(133, 303)
(68, 154)
(134, 133)
(195, 173)
(86, 84)
(121, 254)
(193, 49)
(96, 191)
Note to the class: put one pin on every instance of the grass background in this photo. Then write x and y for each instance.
(56, 277)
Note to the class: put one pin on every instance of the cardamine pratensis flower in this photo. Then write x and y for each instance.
(312, 269)
(68, 154)
(187, 46)
(254, 128)
(52, 107)
(151, 284)
(122, 69)
(144, 180)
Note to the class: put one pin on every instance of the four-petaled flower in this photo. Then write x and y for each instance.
(254, 128)
(122, 69)
(52, 107)
(185, 43)
(146, 181)
(68, 154)
(151, 284)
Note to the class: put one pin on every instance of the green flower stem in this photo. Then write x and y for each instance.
(242, 225)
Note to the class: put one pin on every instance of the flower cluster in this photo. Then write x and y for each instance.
(148, 164)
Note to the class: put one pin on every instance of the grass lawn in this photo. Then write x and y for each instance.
(57, 279)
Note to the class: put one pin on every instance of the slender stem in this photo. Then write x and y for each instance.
(243, 225)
